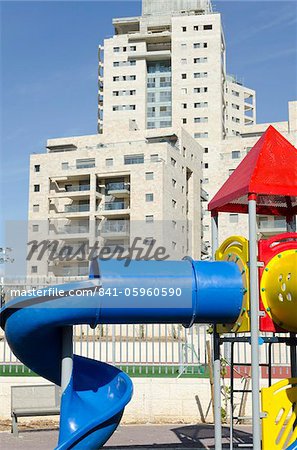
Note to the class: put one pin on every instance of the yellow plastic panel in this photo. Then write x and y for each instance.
(279, 289)
(277, 403)
(235, 249)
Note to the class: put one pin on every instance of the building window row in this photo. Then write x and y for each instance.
(153, 82)
(131, 62)
(125, 78)
(200, 90)
(200, 60)
(124, 92)
(201, 105)
(200, 45)
(200, 74)
(124, 107)
(198, 28)
(130, 48)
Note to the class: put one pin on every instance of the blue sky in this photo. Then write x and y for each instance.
(49, 72)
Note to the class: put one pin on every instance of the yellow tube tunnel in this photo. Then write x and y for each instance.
(279, 289)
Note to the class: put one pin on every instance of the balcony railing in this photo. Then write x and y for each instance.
(77, 208)
(115, 226)
(83, 187)
(68, 229)
(110, 206)
(117, 186)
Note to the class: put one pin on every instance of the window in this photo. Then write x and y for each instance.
(165, 111)
(205, 181)
(201, 135)
(233, 218)
(235, 154)
(174, 224)
(200, 60)
(35, 228)
(33, 269)
(116, 49)
(115, 93)
(200, 119)
(37, 168)
(36, 187)
(235, 106)
(149, 197)
(184, 90)
(183, 60)
(184, 152)
(173, 182)
(35, 208)
(183, 45)
(116, 78)
(184, 76)
(200, 45)
(173, 162)
(201, 105)
(132, 48)
(184, 105)
(231, 171)
(205, 165)
(200, 90)
(151, 111)
(206, 150)
(109, 162)
(196, 28)
(149, 175)
(155, 157)
(184, 120)
(134, 159)
(65, 165)
(151, 97)
(173, 244)
(235, 93)
(200, 74)
(149, 219)
(85, 163)
(165, 96)
(184, 29)
(207, 27)
(173, 202)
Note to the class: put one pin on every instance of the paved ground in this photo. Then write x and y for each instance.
(140, 437)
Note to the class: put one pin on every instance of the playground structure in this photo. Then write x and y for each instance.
(249, 287)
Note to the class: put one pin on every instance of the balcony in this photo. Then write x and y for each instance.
(70, 191)
(77, 208)
(121, 189)
(116, 228)
(113, 208)
(69, 231)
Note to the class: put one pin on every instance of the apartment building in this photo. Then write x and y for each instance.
(134, 198)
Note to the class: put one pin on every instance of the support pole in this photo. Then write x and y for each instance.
(254, 315)
(216, 351)
(291, 228)
(67, 356)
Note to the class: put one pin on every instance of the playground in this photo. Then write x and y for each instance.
(249, 289)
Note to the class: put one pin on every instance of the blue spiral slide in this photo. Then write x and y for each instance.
(94, 399)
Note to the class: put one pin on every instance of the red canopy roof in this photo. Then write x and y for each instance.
(268, 170)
